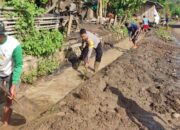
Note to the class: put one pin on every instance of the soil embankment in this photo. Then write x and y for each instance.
(137, 91)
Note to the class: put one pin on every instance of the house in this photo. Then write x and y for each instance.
(149, 9)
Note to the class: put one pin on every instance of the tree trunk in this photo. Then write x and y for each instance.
(115, 20)
(70, 24)
(100, 11)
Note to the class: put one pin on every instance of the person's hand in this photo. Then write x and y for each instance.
(12, 92)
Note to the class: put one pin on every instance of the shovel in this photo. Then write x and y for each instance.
(23, 106)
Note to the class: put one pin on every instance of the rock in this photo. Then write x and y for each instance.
(61, 113)
(85, 94)
(175, 115)
(62, 103)
(102, 84)
(121, 111)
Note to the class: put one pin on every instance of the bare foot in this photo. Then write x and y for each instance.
(4, 124)
(1, 123)
(135, 47)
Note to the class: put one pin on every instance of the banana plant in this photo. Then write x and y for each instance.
(123, 8)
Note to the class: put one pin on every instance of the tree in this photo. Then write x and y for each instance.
(123, 8)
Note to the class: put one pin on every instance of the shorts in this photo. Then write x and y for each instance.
(146, 26)
(98, 50)
(6, 82)
(135, 36)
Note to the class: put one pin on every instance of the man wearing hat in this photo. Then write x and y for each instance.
(11, 61)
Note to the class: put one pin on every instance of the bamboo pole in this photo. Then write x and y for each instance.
(70, 24)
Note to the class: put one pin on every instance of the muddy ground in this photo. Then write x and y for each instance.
(139, 90)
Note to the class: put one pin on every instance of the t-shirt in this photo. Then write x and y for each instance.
(11, 59)
(93, 42)
(146, 21)
(132, 29)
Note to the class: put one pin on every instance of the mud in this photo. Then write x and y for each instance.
(137, 91)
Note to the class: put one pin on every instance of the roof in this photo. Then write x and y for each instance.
(157, 4)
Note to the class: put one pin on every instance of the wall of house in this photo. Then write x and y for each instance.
(148, 11)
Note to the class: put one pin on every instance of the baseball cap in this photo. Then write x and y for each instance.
(2, 28)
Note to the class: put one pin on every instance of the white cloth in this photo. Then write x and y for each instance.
(156, 16)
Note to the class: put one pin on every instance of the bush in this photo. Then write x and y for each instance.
(120, 30)
(30, 77)
(39, 43)
(42, 43)
(47, 66)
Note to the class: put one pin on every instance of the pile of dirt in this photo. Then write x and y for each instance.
(137, 91)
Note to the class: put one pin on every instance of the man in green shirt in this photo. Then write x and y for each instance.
(11, 61)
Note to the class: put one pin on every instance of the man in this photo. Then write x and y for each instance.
(90, 41)
(133, 32)
(145, 24)
(138, 21)
(10, 69)
(167, 20)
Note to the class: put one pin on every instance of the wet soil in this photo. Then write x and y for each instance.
(138, 91)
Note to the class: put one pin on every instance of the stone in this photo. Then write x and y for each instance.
(175, 115)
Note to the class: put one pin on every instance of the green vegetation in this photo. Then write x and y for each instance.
(174, 8)
(120, 30)
(42, 43)
(45, 66)
(164, 34)
(39, 43)
(29, 77)
(125, 7)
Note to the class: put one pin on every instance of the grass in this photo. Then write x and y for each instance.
(165, 34)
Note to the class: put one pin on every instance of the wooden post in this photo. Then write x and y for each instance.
(70, 24)
(100, 11)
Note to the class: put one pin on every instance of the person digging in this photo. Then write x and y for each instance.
(133, 32)
(89, 42)
(11, 62)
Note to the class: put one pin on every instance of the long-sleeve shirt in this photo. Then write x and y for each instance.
(11, 59)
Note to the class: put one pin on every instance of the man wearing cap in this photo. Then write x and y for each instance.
(11, 61)
(90, 41)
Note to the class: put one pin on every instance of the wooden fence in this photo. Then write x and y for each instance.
(49, 21)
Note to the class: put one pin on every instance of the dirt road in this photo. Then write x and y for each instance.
(49, 91)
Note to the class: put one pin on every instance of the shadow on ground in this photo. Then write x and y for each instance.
(135, 112)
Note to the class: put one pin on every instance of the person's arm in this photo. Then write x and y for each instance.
(18, 62)
(90, 50)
